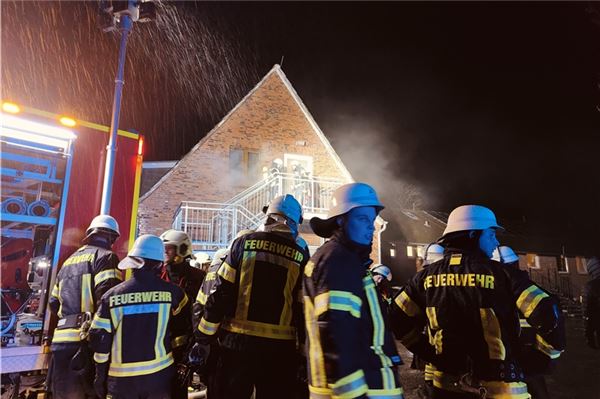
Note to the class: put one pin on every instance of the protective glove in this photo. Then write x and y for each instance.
(198, 355)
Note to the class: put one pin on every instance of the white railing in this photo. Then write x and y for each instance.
(213, 225)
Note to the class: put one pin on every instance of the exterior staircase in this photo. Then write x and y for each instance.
(212, 226)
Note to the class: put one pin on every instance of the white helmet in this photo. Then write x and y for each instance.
(382, 270)
(505, 254)
(471, 217)
(103, 223)
(345, 198)
(433, 253)
(180, 240)
(219, 256)
(147, 246)
(199, 258)
(285, 205)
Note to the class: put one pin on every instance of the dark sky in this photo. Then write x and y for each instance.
(489, 103)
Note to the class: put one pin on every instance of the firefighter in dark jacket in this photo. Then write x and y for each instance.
(139, 324)
(351, 352)
(537, 353)
(82, 280)
(255, 307)
(592, 304)
(469, 304)
(178, 270)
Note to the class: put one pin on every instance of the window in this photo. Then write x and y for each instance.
(244, 167)
(409, 251)
(533, 261)
(562, 264)
(580, 263)
(393, 252)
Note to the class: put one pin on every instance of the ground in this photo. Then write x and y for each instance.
(577, 375)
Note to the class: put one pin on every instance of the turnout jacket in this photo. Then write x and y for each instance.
(351, 351)
(253, 299)
(138, 324)
(82, 280)
(185, 276)
(470, 305)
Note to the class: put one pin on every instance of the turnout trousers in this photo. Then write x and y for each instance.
(151, 386)
(238, 373)
(64, 382)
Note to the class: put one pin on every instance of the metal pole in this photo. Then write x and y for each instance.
(125, 26)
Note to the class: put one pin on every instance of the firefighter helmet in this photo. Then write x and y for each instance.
(180, 240)
(471, 217)
(433, 253)
(345, 198)
(285, 205)
(382, 270)
(145, 247)
(219, 256)
(102, 224)
(505, 254)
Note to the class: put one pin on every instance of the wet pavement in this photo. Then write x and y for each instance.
(577, 375)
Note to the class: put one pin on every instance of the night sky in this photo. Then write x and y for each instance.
(488, 103)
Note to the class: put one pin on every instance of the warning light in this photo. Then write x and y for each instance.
(65, 120)
(11, 108)
(141, 146)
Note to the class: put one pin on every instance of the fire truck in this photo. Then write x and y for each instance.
(51, 188)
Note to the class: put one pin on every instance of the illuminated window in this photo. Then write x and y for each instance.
(393, 252)
(533, 261)
(562, 264)
(580, 262)
(409, 251)
(244, 166)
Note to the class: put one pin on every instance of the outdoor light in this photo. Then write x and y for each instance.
(11, 108)
(65, 120)
(25, 130)
(141, 146)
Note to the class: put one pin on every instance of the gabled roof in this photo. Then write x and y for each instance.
(275, 70)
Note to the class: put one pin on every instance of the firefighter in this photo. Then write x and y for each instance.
(82, 280)
(255, 308)
(592, 304)
(433, 253)
(469, 303)
(351, 352)
(138, 325)
(382, 276)
(538, 353)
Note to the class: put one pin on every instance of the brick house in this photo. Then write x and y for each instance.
(268, 144)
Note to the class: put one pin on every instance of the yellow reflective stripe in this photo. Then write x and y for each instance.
(350, 386)
(546, 348)
(492, 334)
(308, 269)
(183, 302)
(101, 357)
(407, 305)
(101, 323)
(161, 329)
(227, 272)
(339, 300)
(529, 299)
(506, 390)
(245, 288)
(201, 298)
(394, 393)
(55, 291)
(524, 323)
(106, 275)
(315, 351)
(292, 277)
(60, 299)
(140, 368)
(432, 317)
(116, 316)
(319, 393)
(455, 259)
(387, 377)
(208, 328)
(429, 371)
(179, 341)
(66, 335)
(378, 330)
(259, 329)
(87, 302)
